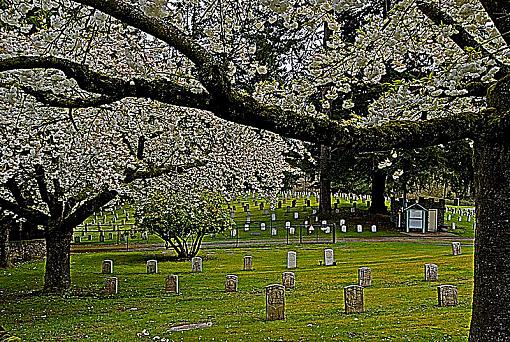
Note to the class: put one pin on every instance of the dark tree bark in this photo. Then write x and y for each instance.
(5, 229)
(491, 297)
(378, 186)
(57, 276)
(325, 182)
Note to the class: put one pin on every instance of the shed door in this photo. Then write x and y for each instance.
(432, 220)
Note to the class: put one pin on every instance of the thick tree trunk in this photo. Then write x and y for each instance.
(325, 182)
(57, 277)
(378, 186)
(491, 298)
(4, 243)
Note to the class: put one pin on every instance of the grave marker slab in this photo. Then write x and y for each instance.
(111, 285)
(172, 284)
(353, 299)
(107, 267)
(275, 302)
(329, 258)
(447, 295)
(456, 248)
(196, 264)
(231, 282)
(431, 272)
(291, 259)
(248, 263)
(288, 280)
(364, 276)
(152, 266)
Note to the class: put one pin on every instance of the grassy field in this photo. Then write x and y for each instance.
(400, 306)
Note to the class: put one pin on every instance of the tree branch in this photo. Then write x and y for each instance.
(131, 175)
(111, 88)
(15, 191)
(31, 215)
(463, 39)
(499, 12)
(88, 208)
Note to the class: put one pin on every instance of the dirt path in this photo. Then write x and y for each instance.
(430, 238)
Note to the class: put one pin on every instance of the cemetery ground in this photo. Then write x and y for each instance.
(400, 305)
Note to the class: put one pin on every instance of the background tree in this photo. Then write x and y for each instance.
(183, 219)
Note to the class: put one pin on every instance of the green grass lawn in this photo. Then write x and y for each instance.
(400, 306)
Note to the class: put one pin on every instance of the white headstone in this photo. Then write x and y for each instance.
(152, 266)
(374, 228)
(296, 215)
(287, 224)
(273, 217)
(262, 226)
(233, 232)
(291, 259)
(359, 228)
(196, 264)
(329, 258)
(344, 229)
(246, 227)
(292, 230)
(273, 231)
(342, 222)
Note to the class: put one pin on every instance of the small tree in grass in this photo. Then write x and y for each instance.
(183, 219)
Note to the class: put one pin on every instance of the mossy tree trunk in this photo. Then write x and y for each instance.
(491, 297)
(5, 228)
(57, 275)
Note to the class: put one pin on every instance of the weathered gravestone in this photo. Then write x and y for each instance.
(353, 298)
(196, 264)
(374, 228)
(296, 215)
(275, 302)
(329, 257)
(273, 231)
(231, 281)
(447, 295)
(152, 266)
(172, 284)
(111, 285)
(77, 239)
(364, 276)
(262, 226)
(359, 228)
(291, 260)
(288, 280)
(431, 273)
(456, 248)
(107, 267)
(248, 263)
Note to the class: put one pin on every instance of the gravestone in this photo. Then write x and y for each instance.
(248, 219)
(364, 276)
(353, 210)
(353, 299)
(431, 273)
(288, 280)
(359, 228)
(273, 231)
(275, 302)
(291, 259)
(342, 222)
(273, 217)
(456, 248)
(248, 263)
(110, 236)
(262, 226)
(344, 229)
(152, 266)
(296, 215)
(292, 230)
(246, 227)
(374, 228)
(107, 267)
(111, 285)
(329, 258)
(77, 239)
(447, 295)
(172, 284)
(231, 281)
(196, 264)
